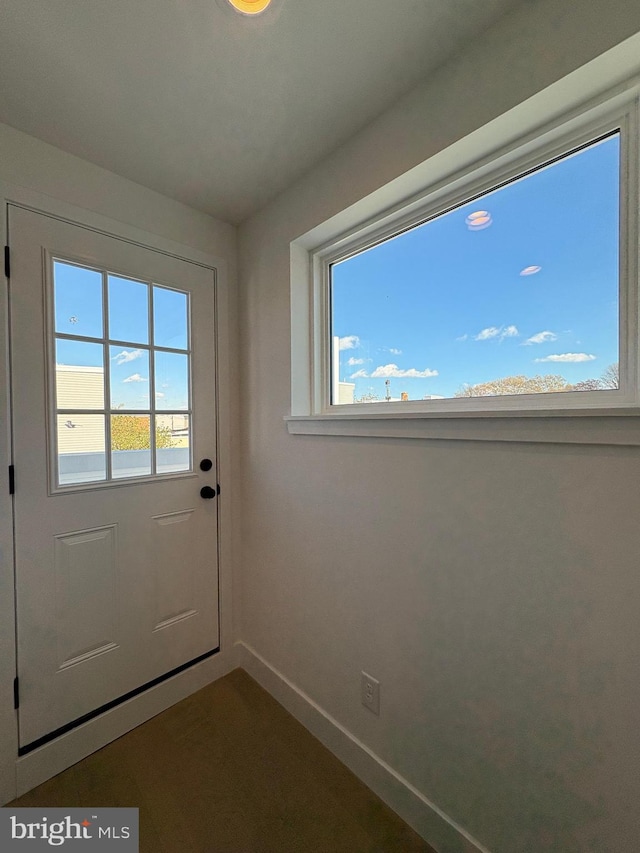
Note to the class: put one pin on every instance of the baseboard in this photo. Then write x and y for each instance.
(429, 821)
(54, 757)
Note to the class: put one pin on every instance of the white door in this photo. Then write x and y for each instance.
(113, 387)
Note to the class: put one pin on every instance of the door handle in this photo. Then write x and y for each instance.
(207, 493)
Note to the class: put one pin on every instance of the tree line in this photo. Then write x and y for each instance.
(540, 384)
(520, 384)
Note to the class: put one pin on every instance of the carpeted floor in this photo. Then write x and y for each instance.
(228, 770)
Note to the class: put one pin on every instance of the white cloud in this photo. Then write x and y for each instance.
(501, 333)
(509, 332)
(135, 377)
(387, 370)
(568, 357)
(359, 374)
(126, 355)
(541, 338)
(349, 342)
(395, 351)
(159, 394)
(353, 361)
(487, 334)
(462, 338)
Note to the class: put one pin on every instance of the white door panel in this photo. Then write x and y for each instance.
(116, 576)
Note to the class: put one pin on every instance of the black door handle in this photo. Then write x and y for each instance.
(206, 465)
(207, 493)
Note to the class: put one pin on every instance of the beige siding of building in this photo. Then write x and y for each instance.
(173, 422)
(79, 387)
(346, 392)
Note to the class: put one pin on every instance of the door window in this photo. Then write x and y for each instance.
(122, 380)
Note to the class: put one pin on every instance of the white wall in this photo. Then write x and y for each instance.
(46, 177)
(28, 162)
(493, 589)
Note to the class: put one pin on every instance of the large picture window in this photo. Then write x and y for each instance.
(515, 292)
(491, 293)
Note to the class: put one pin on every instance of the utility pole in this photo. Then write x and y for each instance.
(387, 383)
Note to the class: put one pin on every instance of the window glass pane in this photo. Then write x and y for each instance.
(170, 318)
(79, 375)
(129, 377)
(78, 300)
(515, 292)
(173, 440)
(128, 310)
(130, 446)
(81, 448)
(172, 380)
(84, 369)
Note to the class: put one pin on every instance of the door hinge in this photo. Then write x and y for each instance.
(7, 262)
(12, 480)
(16, 693)
(218, 488)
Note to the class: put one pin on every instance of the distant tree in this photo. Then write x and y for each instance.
(131, 432)
(611, 377)
(368, 397)
(587, 385)
(515, 385)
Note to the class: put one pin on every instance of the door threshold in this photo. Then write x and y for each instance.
(85, 718)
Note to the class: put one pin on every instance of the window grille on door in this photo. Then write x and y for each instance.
(121, 384)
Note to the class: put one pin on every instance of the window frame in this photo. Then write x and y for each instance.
(547, 141)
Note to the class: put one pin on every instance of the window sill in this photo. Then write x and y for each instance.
(618, 427)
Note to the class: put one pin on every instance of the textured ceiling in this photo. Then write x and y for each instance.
(218, 110)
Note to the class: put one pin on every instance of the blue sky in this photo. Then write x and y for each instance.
(79, 312)
(451, 305)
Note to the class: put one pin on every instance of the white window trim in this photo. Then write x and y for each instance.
(551, 123)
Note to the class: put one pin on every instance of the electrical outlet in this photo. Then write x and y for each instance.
(371, 693)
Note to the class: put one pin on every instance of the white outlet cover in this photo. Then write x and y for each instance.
(370, 693)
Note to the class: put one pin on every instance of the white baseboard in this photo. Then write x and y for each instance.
(54, 757)
(430, 822)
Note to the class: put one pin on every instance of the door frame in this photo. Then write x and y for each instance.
(18, 775)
